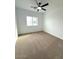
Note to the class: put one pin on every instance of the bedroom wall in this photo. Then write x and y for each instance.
(21, 21)
(53, 22)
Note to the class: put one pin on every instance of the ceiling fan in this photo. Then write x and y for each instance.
(40, 6)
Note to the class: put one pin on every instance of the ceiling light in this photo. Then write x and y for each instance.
(39, 8)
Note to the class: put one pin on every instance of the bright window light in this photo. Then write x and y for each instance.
(31, 21)
(35, 21)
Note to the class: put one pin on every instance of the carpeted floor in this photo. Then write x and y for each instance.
(38, 45)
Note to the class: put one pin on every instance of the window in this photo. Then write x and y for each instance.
(35, 21)
(31, 21)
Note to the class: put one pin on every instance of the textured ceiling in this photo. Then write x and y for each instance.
(26, 4)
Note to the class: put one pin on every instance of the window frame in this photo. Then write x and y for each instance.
(32, 21)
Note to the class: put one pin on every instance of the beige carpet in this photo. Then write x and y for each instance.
(38, 45)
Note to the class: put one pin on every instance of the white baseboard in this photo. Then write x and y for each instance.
(54, 35)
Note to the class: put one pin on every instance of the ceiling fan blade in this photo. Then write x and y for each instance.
(45, 5)
(37, 2)
(37, 9)
(43, 9)
(33, 7)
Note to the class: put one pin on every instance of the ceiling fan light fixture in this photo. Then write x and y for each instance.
(39, 8)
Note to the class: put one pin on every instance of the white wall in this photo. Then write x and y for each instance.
(53, 22)
(21, 21)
